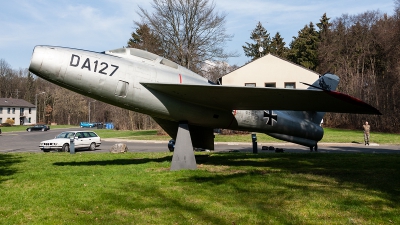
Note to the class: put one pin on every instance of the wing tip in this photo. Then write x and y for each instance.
(365, 108)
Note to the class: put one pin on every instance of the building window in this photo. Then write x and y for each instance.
(1, 110)
(30, 111)
(8, 110)
(250, 84)
(1, 120)
(29, 120)
(272, 85)
(290, 85)
(13, 111)
(13, 119)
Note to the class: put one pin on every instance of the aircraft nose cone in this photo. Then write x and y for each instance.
(37, 59)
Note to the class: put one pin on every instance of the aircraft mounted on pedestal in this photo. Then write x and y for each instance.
(187, 106)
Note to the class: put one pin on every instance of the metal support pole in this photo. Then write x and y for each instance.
(36, 105)
(254, 140)
(183, 157)
(72, 145)
(89, 109)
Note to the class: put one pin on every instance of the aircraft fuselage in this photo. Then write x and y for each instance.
(116, 77)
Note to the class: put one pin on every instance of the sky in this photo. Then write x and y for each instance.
(99, 25)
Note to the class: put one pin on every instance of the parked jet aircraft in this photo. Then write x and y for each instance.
(187, 106)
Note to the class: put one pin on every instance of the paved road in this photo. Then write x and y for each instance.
(29, 141)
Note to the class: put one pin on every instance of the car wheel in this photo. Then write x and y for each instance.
(29, 130)
(92, 146)
(42, 129)
(65, 148)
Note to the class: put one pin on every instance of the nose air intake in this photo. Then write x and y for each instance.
(46, 62)
(37, 59)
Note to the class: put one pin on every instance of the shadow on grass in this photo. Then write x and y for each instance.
(6, 163)
(234, 173)
(114, 162)
(151, 198)
(374, 171)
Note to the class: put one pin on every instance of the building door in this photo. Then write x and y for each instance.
(22, 116)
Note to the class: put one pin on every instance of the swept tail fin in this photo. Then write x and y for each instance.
(328, 82)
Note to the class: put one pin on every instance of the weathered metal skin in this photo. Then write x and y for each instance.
(116, 77)
(57, 65)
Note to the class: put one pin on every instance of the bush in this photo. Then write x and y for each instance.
(10, 121)
(5, 125)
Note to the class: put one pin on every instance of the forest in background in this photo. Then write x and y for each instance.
(363, 50)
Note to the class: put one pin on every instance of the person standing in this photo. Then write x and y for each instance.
(367, 129)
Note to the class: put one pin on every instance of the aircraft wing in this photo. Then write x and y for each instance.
(253, 98)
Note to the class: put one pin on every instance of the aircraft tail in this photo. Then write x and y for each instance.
(328, 82)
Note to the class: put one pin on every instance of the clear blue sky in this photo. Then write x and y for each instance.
(100, 25)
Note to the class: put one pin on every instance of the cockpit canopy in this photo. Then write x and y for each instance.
(135, 54)
(123, 52)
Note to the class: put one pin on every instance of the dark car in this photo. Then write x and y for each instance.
(171, 145)
(38, 127)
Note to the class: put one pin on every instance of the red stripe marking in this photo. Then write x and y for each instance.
(180, 79)
(354, 101)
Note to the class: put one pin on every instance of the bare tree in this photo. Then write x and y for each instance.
(215, 70)
(191, 30)
(6, 75)
(69, 106)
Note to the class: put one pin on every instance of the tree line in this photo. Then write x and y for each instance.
(361, 49)
(59, 105)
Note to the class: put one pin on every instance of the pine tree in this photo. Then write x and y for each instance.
(145, 39)
(325, 53)
(324, 24)
(304, 48)
(278, 46)
(262, 39)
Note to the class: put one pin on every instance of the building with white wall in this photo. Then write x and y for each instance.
(271, 71)
(19, 110)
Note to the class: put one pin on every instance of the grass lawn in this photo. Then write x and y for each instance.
(350, 136)
(227, 188)
(330, 136)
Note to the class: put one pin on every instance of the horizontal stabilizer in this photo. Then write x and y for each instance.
(255, 98)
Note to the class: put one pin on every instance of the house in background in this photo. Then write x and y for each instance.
(19, 110)
(271, 71)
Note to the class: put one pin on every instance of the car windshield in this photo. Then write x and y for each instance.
(66, 135)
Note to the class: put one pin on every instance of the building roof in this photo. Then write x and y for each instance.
(13, 102)
(272, 55)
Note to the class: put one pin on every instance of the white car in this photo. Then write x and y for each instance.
(82, 139)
